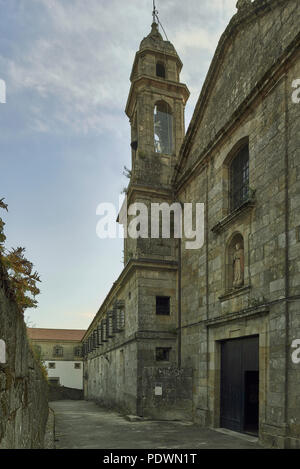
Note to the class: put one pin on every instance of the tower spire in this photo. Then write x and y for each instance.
(155, 12)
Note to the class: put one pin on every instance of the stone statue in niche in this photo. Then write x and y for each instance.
(238, 266)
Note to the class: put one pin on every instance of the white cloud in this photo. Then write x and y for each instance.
(78, 68)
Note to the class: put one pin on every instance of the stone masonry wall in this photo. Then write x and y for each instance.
(23, 388)
(167, 393)
(271, 239)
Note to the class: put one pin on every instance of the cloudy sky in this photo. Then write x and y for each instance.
(64, 136)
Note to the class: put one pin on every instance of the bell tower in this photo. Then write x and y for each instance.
(155, 108)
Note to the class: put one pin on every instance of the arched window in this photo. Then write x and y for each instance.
(163, 128)
(239, 178)
(160, 70)
(58, 351)
(235, 262)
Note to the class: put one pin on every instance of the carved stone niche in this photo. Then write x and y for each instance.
(235, 263)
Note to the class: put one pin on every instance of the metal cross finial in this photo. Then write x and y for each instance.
(154, 13)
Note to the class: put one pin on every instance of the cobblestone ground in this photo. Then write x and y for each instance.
(84, 425)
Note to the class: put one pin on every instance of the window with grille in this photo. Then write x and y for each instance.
(163, 305)
(110, 328)
(95, 339)
(239, 178)
(162, 354)
(77, 366)
(58, 351)
(99, 335)
(51, 366)
(103, 330)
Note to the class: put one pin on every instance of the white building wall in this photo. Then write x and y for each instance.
(68, 375)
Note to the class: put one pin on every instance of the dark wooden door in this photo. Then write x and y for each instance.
(239, 384)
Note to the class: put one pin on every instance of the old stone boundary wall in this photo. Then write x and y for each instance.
(23, 387)
(60, 393)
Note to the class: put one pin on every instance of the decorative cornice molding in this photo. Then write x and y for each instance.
(248, 313)
(246, 207)
(234, 293)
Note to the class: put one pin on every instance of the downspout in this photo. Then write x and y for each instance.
(287, 275)
(207, 287)
(179, 303)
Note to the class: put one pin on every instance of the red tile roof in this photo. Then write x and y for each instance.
(55, 334)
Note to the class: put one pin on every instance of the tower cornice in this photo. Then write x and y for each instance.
(158, 53)
(160, 84)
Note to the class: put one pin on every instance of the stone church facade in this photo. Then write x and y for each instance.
(207, 334)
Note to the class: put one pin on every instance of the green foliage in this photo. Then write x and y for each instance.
(2, 224)
(36, 352)
(22, 277)
(127, 172)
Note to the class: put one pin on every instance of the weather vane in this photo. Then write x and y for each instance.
(155, 12)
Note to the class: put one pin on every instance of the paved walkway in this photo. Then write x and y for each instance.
(84, 425)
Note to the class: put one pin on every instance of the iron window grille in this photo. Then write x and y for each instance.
(99, 341)
(121, 319)
(95, 339)
(109, 330)
(163, 305)
(239, 178)
(103, 330)
(58, 351)
(162, 354)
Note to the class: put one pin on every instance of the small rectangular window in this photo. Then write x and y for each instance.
(77, 366)
(162, 354)
(163, 305)
(52, 366)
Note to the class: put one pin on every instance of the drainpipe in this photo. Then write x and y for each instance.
(179, 302)
(287, 276)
